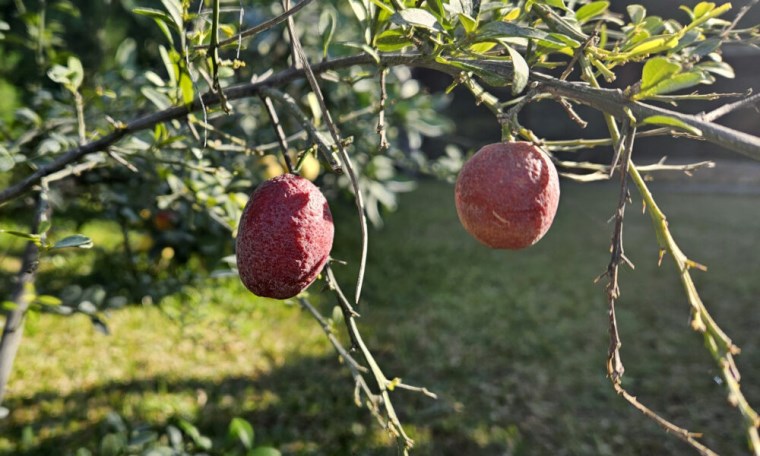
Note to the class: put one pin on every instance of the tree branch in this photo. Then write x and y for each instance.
(606, 100)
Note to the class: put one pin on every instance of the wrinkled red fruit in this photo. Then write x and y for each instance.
(507, 194)
(284, 237)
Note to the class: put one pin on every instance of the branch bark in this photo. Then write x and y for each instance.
(22, 297)
(609, 101)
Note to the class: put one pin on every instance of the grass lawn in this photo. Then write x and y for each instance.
(514, 343)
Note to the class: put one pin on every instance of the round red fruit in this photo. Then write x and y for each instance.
(284, 237)
(507, 195)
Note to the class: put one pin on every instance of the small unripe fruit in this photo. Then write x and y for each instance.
(271, 167)
(507, 195)
(310, 167)
(284, 237)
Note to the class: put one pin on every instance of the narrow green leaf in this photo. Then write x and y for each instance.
(392, 40)
(418, 18)
(186, 87)
(48, 300)
(327, 22)
(719, 68)
(165, 30)
(30, 237)
(242, 431)
(174, 7)
(494, 30)
(461, 6)
(667, 121)
(437, 7)
(556, 4)
(366, 48)
(265, 451)
(156, 14)
(656, 70)
(521, 71)
(6, 160)
(469, 24)
(591, 10)
(157, 98)
(76, 240)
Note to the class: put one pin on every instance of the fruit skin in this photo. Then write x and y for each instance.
(507, 194)
(284, 237)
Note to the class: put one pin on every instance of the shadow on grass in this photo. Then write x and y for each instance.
(304, 407)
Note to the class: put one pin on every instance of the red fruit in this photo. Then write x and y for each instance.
(507, 194)
(284, 237)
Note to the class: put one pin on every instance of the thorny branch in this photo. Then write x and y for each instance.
(382, 383)
(615, 368)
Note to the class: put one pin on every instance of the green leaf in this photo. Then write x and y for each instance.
(719, 68)
(76, 72)
(327, 22)
(174, 7)
(677, 82)
(656, 70)
(6, 160)
(702, 8)
(30, 237)
(366, 48)
(186, 87)
(469, 24)
(242, 431)
(667, 121)
(265, 451)
(165, 30)
(157, 98)
(392, 40)
(521, 71)
(48, 300)
(591, 10)
(156, 14)
(636, 12)
(77, 240)
(494, 30)
(418, 18)
(555, 3)
(437, 7)
(461, 7)
(191, 431)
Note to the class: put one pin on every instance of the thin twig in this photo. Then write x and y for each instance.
(381, 131)
(742, 12)
(23, 294)
(261, 27)
(606, 100)
(346, 160)
(615, 367)
(381, 381)
(292, 107)
(281, 137)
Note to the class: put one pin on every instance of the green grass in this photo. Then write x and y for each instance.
(514, 343)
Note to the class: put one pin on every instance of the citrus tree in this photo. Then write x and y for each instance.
(200, 101)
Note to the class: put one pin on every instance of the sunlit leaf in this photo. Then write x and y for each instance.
(521, 72)
(392, 40)
(719, 68)
(76, 240)
(674, 83)
(591, 10)
(469, 24)
(418, 18)
(702, 8)
(327, 23)
(241, 430)
(656, 70)
(174, 7)
(636, 13)
(667, 121)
